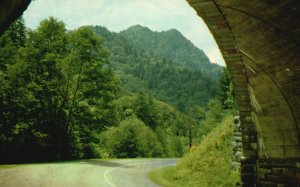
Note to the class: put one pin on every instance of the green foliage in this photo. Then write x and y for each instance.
(170, 124)
(95, 86)
(55, 93)
(10, 42)
(209, 164)
(225, 91)
(145, 110)
(131, 139)
(199, 121)
(176, 147)
(33, 83)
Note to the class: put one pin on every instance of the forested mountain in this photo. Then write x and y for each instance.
(90, 93)
(165, 64)
(170, 45)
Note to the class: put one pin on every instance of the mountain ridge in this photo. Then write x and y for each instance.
(165, 64)
(172, 45)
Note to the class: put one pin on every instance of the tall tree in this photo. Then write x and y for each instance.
(92, 87)
(10, 43)
(38, 79)
(57, 92)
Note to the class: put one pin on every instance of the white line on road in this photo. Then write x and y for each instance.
(106, 178)
(111, 169)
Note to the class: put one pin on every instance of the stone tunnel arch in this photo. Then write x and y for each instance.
(259, 41)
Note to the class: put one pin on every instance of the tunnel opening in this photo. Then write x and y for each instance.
(261, 53)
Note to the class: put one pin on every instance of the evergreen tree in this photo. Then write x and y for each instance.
(225, 91)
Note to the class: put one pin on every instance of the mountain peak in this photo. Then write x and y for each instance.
(138, 27)
(168, 44)
(173, 30)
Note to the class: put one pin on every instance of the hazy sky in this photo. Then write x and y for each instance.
(117, 15)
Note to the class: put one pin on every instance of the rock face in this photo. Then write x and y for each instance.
(260, 42)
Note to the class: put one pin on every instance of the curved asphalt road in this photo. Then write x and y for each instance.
(102, 173)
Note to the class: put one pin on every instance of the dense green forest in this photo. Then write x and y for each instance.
(90, 93)
(165, 64)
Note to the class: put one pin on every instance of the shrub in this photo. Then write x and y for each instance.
(131, 139)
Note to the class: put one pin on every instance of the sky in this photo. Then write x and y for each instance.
(118, 15)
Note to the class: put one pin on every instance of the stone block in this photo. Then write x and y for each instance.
(281, 185)
(276, 171)
(250, 153)
(248, 178)
(247, 168)
(253, 146)
(236, 119)
(246, 145)
(274, 178)
(261, 176)
(240, 144)
(282, 164)
(266, 184)
(265, 165)
(234, 148)
(248, 160)
(286, 172)
(296, 175)
(264, 171)
(237, 138)
(237, 134)
(247, 185)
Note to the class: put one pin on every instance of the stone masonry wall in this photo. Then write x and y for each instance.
(237, 144)
(283, 173)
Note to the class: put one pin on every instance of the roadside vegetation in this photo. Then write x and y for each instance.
(207, 165)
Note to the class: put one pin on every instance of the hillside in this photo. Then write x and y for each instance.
(165, 64)
(171, 45)
(207, 165)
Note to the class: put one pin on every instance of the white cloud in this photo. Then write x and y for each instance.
(118, 15)
(215, 56)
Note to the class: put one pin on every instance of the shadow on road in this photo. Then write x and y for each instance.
(106, 163)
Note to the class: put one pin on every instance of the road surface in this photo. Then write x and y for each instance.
(102, 173)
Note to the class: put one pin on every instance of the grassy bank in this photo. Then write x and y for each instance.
(208, 165)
